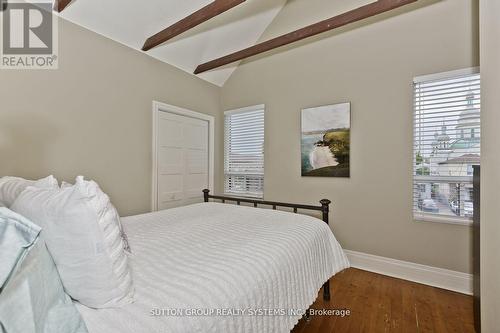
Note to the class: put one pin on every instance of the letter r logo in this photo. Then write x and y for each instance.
(27, 28)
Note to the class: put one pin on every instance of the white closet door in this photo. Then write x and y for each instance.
(183, 160)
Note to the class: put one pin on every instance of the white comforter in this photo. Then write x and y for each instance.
(218, 257)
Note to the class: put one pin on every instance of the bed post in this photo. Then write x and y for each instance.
(325, 204)
(325, 208)
(205, 194)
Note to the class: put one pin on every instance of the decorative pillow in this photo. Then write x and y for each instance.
(101, 198)
(11, 187)
(81, 229)
(32, 298)
(17, 236)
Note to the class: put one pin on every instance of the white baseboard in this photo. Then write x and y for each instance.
(432, 276)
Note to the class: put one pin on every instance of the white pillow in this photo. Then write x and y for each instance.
(103, 197)
(81, 229)
(11, 187)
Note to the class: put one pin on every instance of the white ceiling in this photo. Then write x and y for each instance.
(132, 22)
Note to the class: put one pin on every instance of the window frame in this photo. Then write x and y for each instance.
(253, 108)
(423, 216)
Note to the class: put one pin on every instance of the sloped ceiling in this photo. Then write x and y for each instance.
(132, 22)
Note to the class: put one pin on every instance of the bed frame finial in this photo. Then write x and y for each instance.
(325, 208)
(205, 194)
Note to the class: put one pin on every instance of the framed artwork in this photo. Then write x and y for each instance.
(325, 141)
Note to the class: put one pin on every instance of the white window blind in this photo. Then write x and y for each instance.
(244, 152)
(447, 140)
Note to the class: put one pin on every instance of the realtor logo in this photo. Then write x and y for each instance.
(28, 36)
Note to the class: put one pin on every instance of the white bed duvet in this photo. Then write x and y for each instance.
(221, 268)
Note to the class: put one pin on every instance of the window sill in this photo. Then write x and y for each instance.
(243, 196)
(444, 219)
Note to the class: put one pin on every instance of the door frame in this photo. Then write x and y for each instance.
(162, 107)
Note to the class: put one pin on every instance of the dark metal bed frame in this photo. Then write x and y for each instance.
(324, 208)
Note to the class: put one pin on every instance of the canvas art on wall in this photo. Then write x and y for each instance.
(326, 141)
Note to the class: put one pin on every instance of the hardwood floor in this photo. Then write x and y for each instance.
(380, 303)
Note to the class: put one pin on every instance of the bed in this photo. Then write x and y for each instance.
(214, 267)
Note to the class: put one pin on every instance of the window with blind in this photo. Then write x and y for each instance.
(244, 152)
(447, 141)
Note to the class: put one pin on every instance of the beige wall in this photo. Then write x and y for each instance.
(371, 65)
(490, 160)
(93, 115)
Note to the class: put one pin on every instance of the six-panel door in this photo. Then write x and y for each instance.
(183, 157)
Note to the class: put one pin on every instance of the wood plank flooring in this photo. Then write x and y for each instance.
(380, 303)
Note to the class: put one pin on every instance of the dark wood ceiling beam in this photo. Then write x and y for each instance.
(59, 5)
(372, 9)
(206, 13)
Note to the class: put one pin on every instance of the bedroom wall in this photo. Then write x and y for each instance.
(370, 64)
(490, 160)
(92, 116)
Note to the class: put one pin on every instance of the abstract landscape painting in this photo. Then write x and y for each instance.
(326, 134)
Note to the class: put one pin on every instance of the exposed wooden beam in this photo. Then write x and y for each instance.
(59, 5)
(352, 16)
(206, 13)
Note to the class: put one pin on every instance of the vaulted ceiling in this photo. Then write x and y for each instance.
(132, 22)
